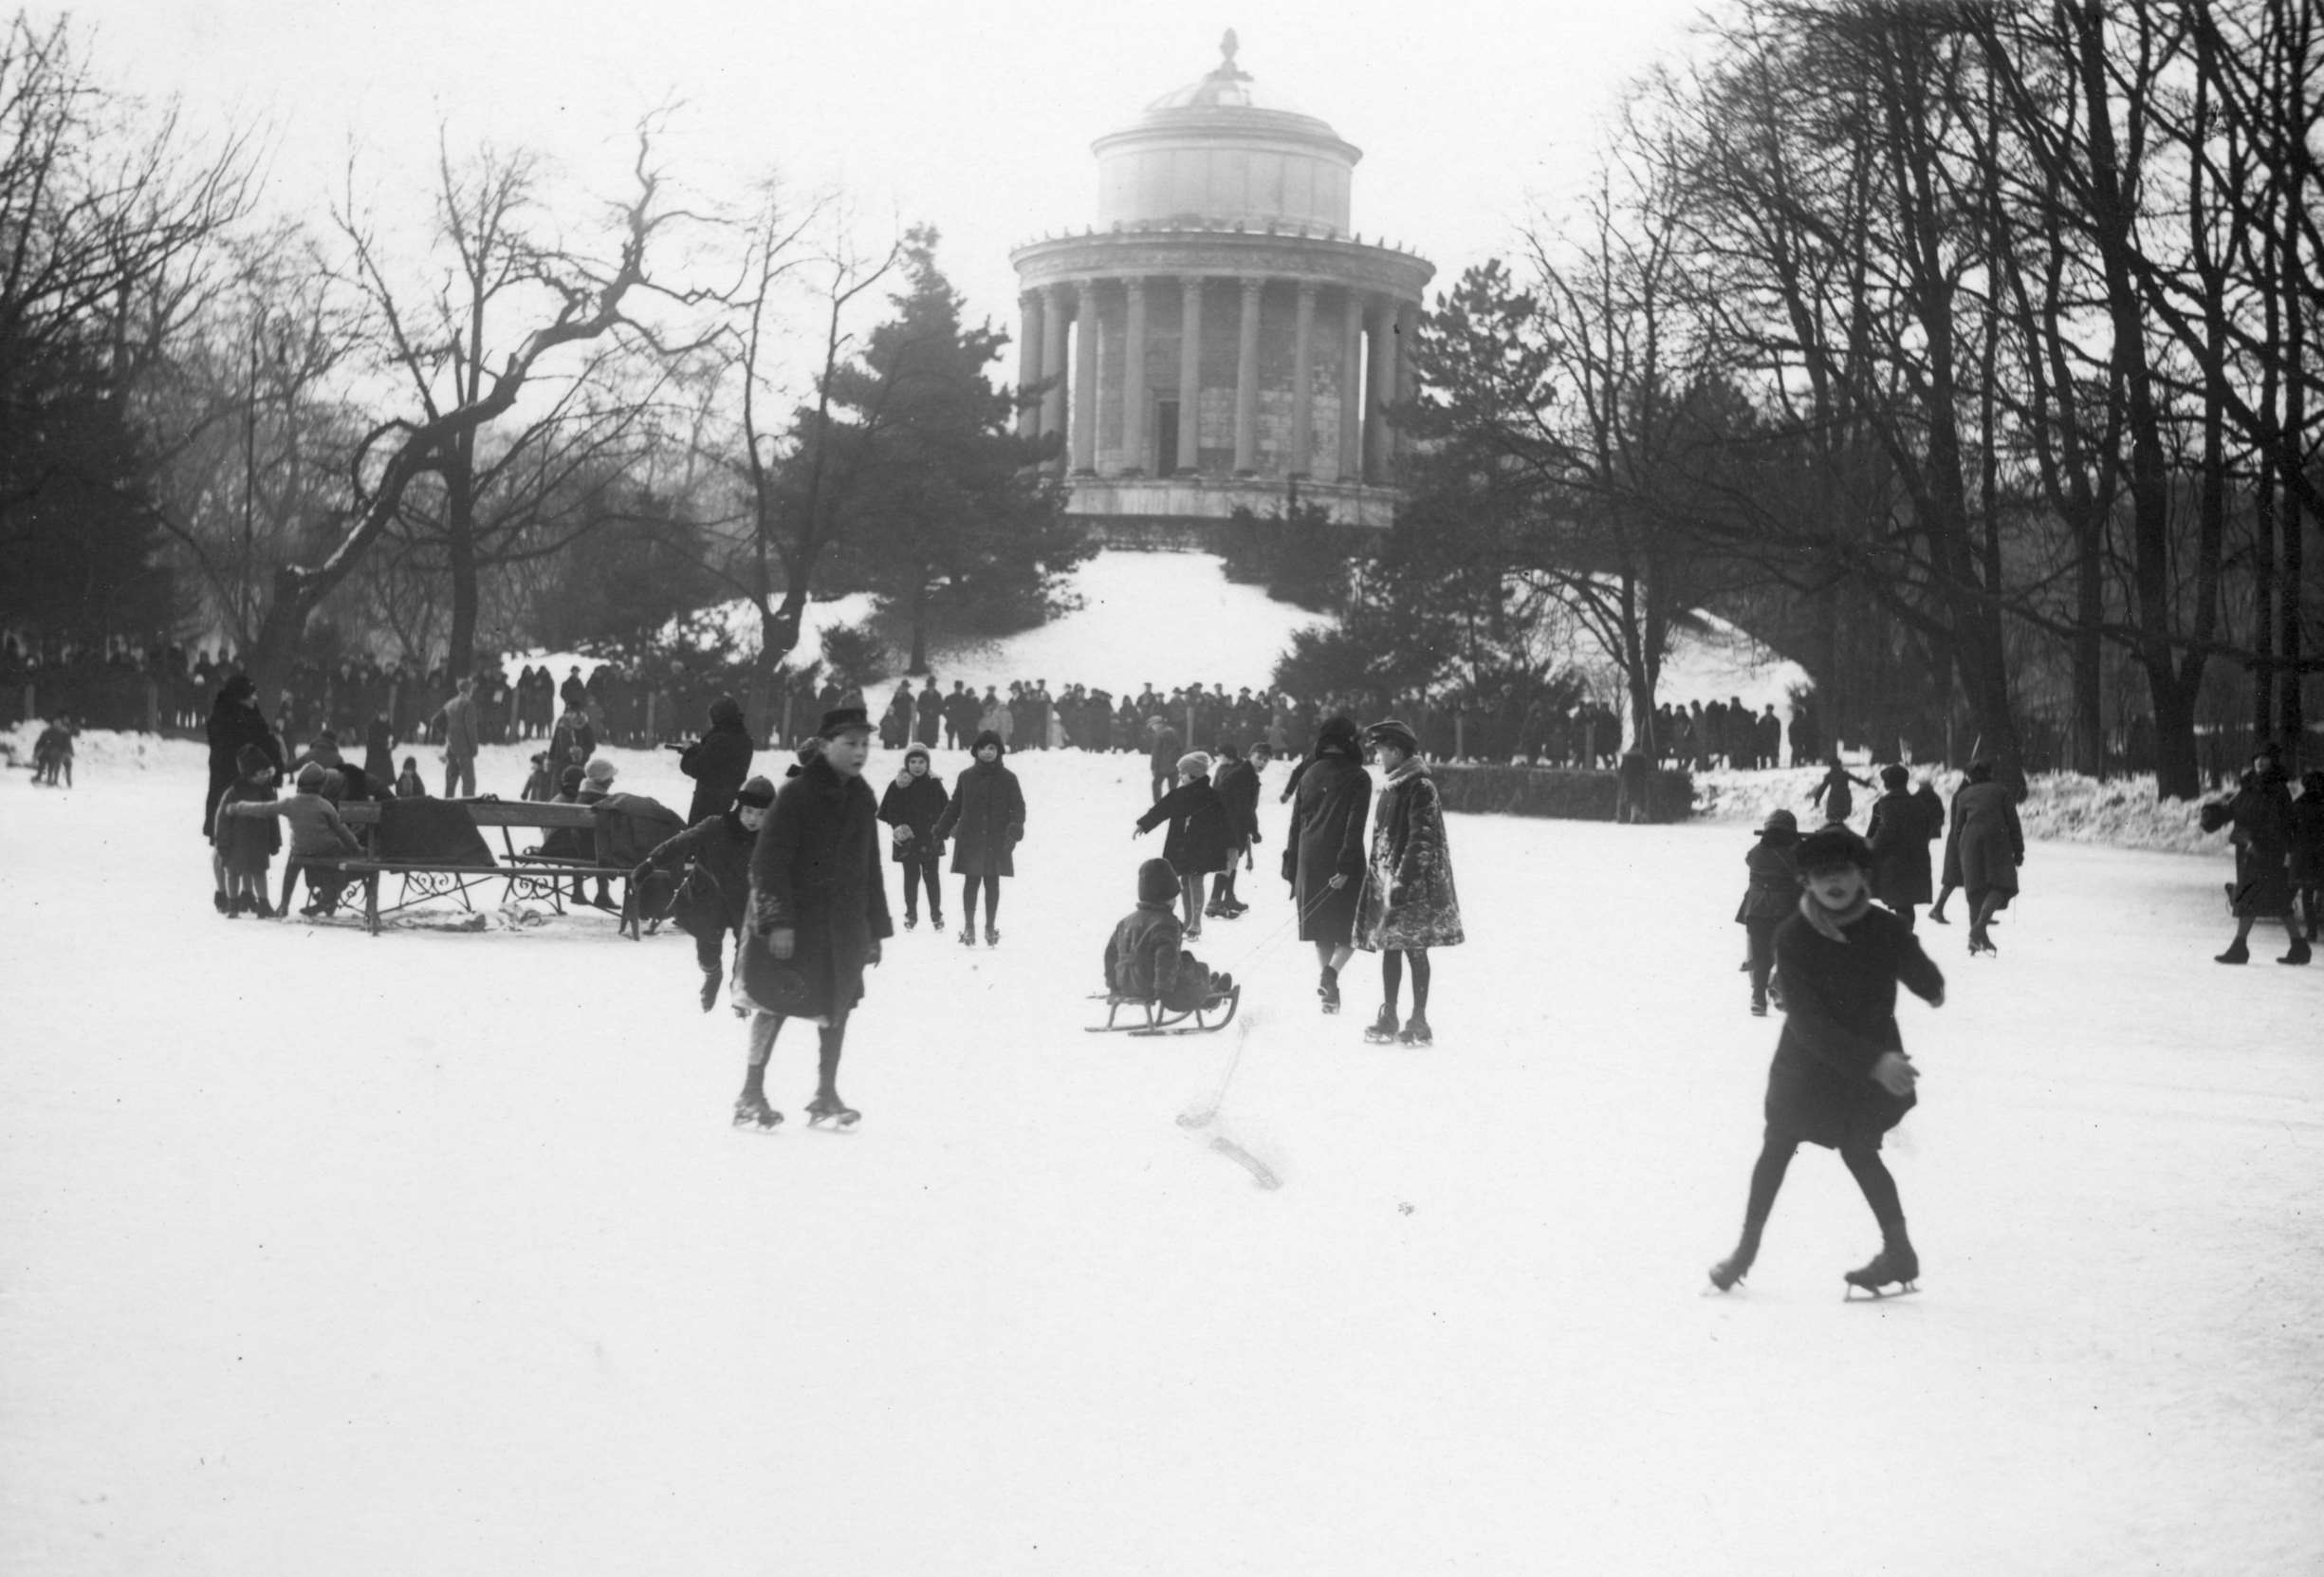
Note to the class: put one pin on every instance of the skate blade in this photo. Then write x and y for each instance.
(758, 1127)
(1875, 1294)
(832, 1124)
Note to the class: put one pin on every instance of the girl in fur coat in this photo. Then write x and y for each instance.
(1408, 905)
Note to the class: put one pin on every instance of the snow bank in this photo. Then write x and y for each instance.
(2059, 806)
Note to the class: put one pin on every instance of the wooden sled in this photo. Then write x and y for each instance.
(1215, 1013)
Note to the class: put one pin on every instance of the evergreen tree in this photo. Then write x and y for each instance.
(948, 516)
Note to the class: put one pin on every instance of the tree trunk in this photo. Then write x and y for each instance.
(2178, 772)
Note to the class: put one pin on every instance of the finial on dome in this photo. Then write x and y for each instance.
(1228, 46)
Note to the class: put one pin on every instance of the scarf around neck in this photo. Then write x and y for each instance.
(1413, 767)
(1828, 922)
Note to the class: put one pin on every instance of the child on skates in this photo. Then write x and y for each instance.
(1408, 905)
(1840, 1077)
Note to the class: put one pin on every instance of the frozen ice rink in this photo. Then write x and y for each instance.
(434, 1253)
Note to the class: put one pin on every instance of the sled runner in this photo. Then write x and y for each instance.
(1215, 1012)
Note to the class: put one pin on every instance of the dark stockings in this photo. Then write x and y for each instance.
(1863, 1162)
(968, 898)
(1391, 978)
(921, 872)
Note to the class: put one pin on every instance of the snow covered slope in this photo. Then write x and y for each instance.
(434, 1253)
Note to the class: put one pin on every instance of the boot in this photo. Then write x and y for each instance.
(1328, 989)
(710, 989)
(2236, 953)
(1758, 1004)
(911, 921)
(1416, 1030)
(967, 936)
(752, 1111)
(993, 937)
(2299, 953)
(1384, 1028)
(1895, 1264)
(936, 922)
(1736, 1266)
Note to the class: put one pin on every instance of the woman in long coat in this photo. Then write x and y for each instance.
(1323, 851)
(1899, 835)
(818, 911)
(2261, 813)
(985, 821)
(234, 721)
(1992, 847)
(1408, 905)
(718, 762)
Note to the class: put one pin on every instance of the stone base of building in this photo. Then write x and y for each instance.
(1119, 508)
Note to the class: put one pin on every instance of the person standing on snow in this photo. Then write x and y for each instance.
(2260, 814)
(1238, 785)
(1899, 836)
(1832, 792)
(819, 911)
(1199, 834)
(458, 718)
(1408, 905)
(1323, 849)
(911, 807)
(1771, 898)
(1990, 845)
(1840, 1077)
(984, 823)
(718, 762)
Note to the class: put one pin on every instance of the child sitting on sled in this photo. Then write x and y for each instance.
(1146, 960)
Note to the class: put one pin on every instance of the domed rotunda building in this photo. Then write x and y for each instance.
(1219, 337)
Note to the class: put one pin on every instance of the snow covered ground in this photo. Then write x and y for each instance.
(434, 1252)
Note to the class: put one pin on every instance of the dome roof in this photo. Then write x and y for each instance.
(1227, 94)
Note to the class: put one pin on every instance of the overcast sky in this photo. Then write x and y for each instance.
(976, 118)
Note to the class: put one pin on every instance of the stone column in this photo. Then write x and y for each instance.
(1189, 374)
(1052, 360)
(1133, 378)
(1247, 382)
(1304, 383)
(1352, 389)
(1407, 338)
(1032, 306)
(1379, 388)
(1086, 378)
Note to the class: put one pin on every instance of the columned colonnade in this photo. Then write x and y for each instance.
(1358, 337)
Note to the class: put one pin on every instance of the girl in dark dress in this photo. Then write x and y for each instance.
(985, 823)
(1840, 1077)
(911, 807)
(1832, 792)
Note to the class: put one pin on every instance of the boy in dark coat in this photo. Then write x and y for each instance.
(713, 897)
(1144, 958)
(1840, 1077)
(818, 911)
(718, 762)
(911, 807)
(1771, 899)
(1323, 849)
(246, 845)
(1237, 782)
(984, 823)
(1198, 837)
(1899, 836)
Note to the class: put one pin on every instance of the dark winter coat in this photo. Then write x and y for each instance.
(316, 831)
(718, 896)
(930, 709)
(378, 751)
(233, 725)
(1145, 959)
(985, 821)
(575, 733)
(1162, 755)
(816, 870)
(1839, 1000)
(719, 763)
(1200, 836)
(1409, 900)
(2261, 813)
(1900, 835)
(1774, 890)
(244, 844)
(917, 802)
(1326, 839)
(1988, 839)
(1238, 785)
(1833, 794)
(2308, 840)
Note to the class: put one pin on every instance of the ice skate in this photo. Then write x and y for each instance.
(911, 922)
(1328, 990)
(1383, 1030)
(1758, 1007)
(710, 989)
(967, 936)
(993, 937)
(935, 922)
(2236, 953)
(830, 1112)
(1731, 1270)
(1416, 1032)
(752, 1112)
(1894, 1265)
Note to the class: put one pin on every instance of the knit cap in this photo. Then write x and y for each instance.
(1195, 764)
(1157, 882)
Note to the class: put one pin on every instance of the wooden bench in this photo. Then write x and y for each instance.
(522, 873)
